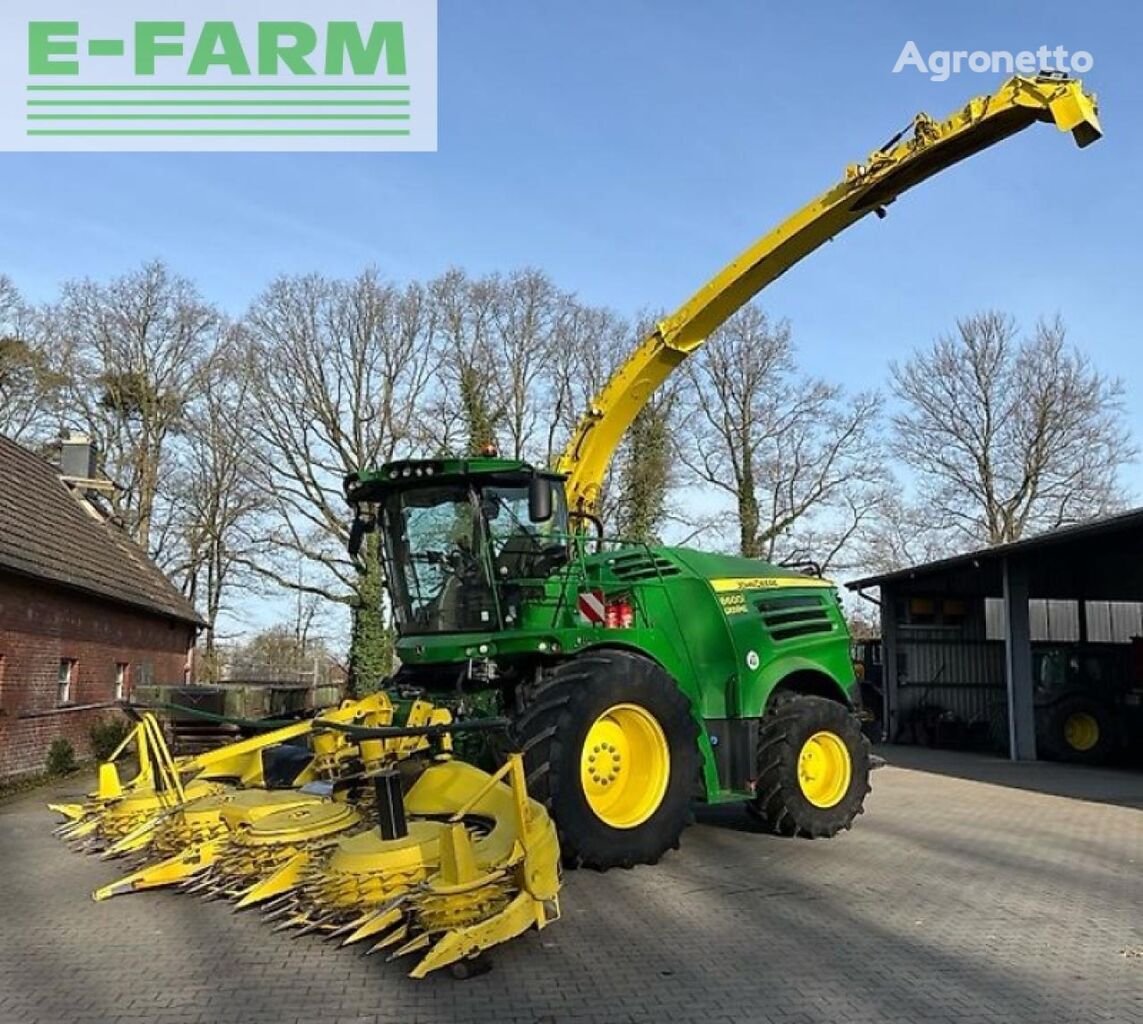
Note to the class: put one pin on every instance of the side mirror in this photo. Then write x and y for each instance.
(360, 526)
(539, 499)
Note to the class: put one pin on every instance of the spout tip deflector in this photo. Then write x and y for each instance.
(1064, 102)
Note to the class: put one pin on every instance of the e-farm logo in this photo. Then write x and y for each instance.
(174, 75)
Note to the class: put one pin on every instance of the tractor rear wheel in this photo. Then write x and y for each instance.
(610, 746)
(813, 767)
(1077, 729)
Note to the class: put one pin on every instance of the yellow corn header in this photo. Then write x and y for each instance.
(377, 831)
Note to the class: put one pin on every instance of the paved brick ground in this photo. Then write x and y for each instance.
(953, 901)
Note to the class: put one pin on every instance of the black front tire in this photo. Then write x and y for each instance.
(780, 802)
(552, 731)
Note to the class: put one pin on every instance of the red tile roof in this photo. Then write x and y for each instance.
(47, 534)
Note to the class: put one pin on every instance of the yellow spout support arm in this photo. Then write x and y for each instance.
(930, 147)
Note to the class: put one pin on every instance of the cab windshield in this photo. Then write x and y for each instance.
(453, 552)
(519, 548)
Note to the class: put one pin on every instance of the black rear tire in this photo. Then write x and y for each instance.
(1060, 740)
(780, 801)
(552, 731)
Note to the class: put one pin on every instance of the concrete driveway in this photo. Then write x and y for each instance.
(972, 891)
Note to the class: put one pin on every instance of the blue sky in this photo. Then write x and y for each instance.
(630, 147)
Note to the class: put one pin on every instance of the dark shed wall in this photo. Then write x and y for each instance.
(948, 683)
(945, 666)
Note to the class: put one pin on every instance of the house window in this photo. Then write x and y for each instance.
(65, 681)
(121, 680)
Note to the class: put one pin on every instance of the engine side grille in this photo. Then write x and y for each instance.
(790, 617)
(637, 566)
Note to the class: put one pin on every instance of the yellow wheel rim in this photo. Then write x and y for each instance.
(1081, 731)
(824, 769)
(625, 765)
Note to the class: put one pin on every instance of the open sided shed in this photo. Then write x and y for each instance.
(1034, 647)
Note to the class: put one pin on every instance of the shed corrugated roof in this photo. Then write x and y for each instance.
(1132, 519)
(45, 533)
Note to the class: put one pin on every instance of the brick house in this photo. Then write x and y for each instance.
(85, 615)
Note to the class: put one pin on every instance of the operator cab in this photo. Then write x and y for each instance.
(458, 537)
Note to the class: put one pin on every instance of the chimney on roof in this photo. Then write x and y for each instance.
(77, 457)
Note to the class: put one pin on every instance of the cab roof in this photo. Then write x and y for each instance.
(412, 472)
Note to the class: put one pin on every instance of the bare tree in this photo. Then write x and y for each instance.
(280, 652)
(519, 362)
(218, 497)
(590, 343)
(30, 381)
(637, 505)
(842, 535)
(796, 457)
(1009, 436)
(135, 349)
(495, 341)
(898, 533)
(527, 318)
(643, 475)
(465, 412)
(339, 373)
(12, 305)
(863, 621)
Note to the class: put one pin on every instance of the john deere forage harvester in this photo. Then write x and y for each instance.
(640, 678)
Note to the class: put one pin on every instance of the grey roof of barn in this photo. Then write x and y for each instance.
(46, 534)
(1092, 529)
